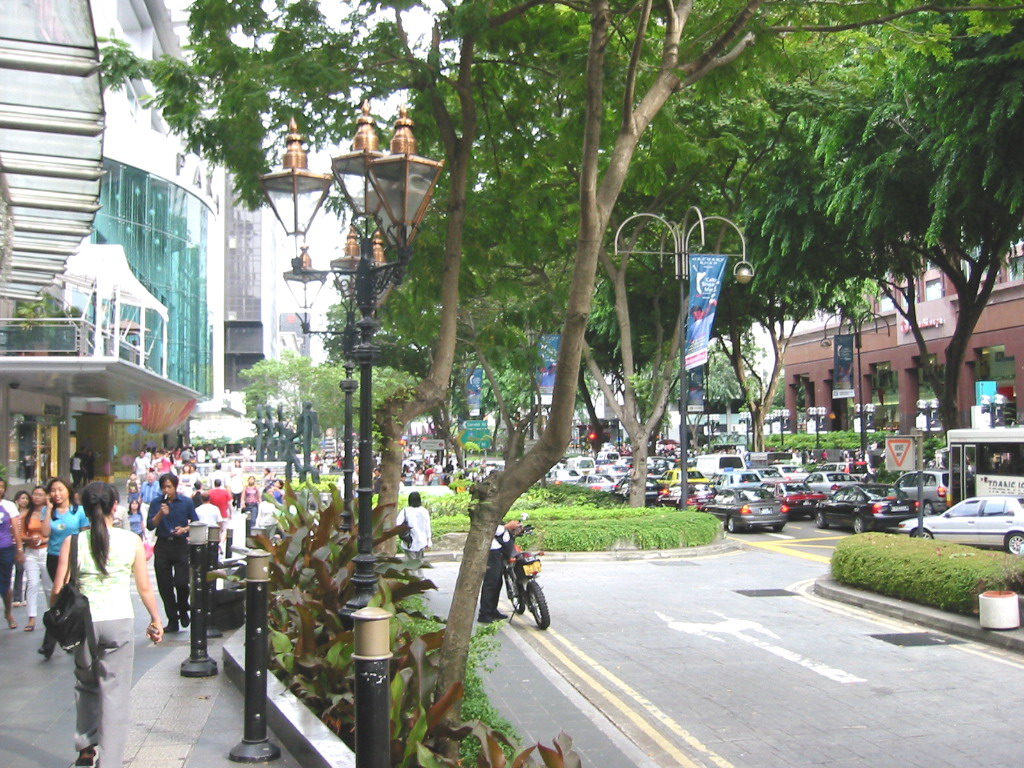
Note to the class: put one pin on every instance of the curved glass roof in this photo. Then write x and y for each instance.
(51, 138)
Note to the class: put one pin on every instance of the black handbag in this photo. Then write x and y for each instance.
(68, 620)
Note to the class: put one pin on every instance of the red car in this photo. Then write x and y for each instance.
(798, 499)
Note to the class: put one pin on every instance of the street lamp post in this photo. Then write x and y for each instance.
(388, 195)
(928, 408)
(817, 412)
(679, 235)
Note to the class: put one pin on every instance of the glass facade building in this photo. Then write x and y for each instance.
(163, 230)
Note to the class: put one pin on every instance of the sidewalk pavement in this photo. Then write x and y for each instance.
(175, 722)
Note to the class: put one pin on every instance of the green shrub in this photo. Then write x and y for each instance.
(946, 576)
(590, 529)
(449, 504)
(565, 493)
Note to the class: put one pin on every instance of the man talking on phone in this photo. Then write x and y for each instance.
(169, 515)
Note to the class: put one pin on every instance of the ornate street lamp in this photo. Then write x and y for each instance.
(295, 194)
(388, 195)
(679, 235)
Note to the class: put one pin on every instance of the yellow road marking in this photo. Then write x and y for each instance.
(816, 538)
(814, 546)
(783, 549)
(631, 714)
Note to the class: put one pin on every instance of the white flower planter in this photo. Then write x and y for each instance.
(999, 610)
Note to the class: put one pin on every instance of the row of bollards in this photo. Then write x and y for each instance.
(372, 655)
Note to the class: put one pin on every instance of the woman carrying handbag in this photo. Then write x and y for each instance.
(107, 556)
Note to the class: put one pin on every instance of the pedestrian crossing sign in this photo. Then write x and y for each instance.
(900, 455)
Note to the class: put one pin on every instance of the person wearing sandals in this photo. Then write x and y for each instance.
(107, 557)
(35, 536)
(23, 501)
(10, 550)
(66, 519)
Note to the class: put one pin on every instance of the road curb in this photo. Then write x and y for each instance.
(310, 742)
(961, 626)
(720, 545)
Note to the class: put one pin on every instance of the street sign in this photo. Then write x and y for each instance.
(432, 445)
(476, 431)
(900, 454)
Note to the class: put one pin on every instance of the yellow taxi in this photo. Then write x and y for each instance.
(671, 477)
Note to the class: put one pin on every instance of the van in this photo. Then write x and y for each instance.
(717, 463)
(582, 464)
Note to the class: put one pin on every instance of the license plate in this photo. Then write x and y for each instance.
(765, 511)
(899, 508)
(531, 568)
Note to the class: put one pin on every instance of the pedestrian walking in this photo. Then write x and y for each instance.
(78, 467)
(107, 557)
(10, 551)
(35, 533)
(135, 522)
(23, 502)
(169, 515)
(66, 519)
(28, 467)
(150, 489)
(417, 517)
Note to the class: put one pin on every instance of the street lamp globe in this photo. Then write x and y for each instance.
(351, 170)
(743, 272)
(405, 182)
(296, 193)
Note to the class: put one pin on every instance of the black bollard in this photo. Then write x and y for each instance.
(229, 542)
(255, 747)
(373, 687)
(212, 561)
(198, 663)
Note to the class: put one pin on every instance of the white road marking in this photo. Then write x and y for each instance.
(780, 536)
(737, 629)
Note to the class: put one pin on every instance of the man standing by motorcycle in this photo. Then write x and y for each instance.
(502, 548)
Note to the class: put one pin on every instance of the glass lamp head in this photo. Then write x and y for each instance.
(295, 194)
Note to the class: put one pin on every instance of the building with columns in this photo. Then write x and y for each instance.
(890, 360)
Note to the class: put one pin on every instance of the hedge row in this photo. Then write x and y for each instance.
(946, 576)
(589, 529)
(539, 497)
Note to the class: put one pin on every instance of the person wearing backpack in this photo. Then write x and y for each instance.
(107, 557)
(417, 517)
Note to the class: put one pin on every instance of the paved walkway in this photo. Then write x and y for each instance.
(176, 722)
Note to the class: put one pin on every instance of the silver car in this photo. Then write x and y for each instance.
(986, 521)
(935, 484)
(828, 482)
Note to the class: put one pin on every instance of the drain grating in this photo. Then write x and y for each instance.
(766, 592)
(916, 639)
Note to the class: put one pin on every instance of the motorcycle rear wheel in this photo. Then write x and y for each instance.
(538, 605)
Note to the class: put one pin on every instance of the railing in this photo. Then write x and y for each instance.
(63, 337)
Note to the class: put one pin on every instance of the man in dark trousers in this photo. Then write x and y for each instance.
(169, 515)
(502, 548)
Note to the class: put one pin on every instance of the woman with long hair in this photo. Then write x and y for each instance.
(135, 519)
(35, 536)
(66, 519)
(108, 556)
(10, 550)
(23, 502)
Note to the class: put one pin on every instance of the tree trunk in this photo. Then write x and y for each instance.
(638, 475)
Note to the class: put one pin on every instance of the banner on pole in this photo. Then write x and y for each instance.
(842, 366)
(474, 389)
(706, 271)
(548, 347)
(695, 396)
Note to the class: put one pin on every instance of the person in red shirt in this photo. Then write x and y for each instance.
(221, 498)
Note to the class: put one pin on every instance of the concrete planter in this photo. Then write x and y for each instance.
(999, 610)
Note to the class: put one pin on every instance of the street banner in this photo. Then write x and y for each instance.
(706, 271)
(842, 366)
(474, 389)
(548, 347)
(695, 397)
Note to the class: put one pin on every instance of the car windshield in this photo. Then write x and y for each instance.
(838, 476)
(795, 488)
(753, 494)
(769, 472)
(883, 492)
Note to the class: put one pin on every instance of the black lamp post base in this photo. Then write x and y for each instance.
(198, 667)
(254, 752)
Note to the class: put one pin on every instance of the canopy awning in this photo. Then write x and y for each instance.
(89, 377)
(51, 138)
(105, 268)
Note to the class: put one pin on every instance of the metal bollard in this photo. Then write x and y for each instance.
(373, 687)
(198, 663)
(212, 560)
(250, 537)
(229, 542)
(255, 747)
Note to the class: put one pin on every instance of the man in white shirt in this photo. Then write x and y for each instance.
(142, 464)
(209, 513)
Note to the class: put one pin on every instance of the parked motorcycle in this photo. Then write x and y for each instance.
(521, 584)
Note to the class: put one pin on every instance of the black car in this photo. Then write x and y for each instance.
(746, 507)
(650, 491)
(866, 507)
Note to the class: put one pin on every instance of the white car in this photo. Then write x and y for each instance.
(597, 482)
(986, 521)
(770, 474)
(792, 473)
(559, 476)
(827, 482)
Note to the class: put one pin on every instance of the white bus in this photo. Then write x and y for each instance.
(986, 462)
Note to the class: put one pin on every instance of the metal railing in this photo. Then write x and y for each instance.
(63, 337)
